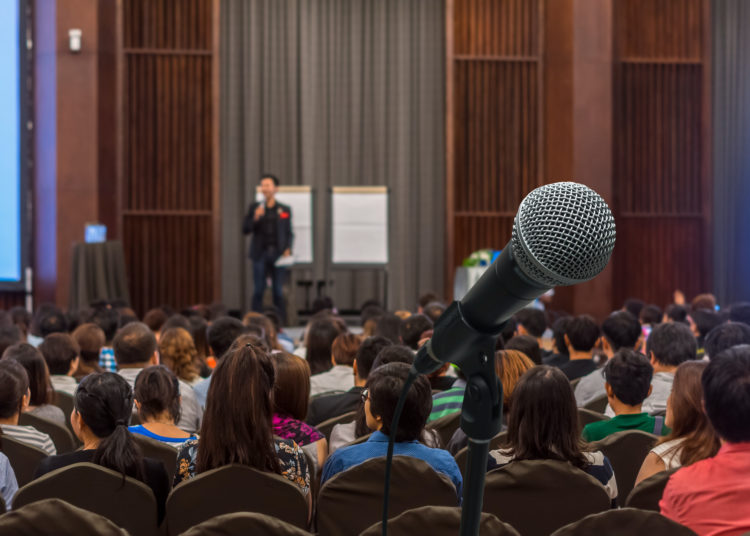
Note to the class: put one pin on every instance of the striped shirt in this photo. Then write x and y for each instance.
(30, 436)
(449, 401)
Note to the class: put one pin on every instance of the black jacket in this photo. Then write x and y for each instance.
(327, 407)
(284, 233)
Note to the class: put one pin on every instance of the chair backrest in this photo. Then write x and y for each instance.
(326, 426)
(445, 426)
(352, 500)
(626, 451)
(574, 383)
(647, 494)
(438, 521)
(125, 501)
(245, 523)
(234, 488)
(539, 496)
(357, 441)
(463, 454)
(598, 404)
(624, 521)
(587, 416)
(24, 459)
(60, 435)
(64, 401)
(56, 516)
(157, 450)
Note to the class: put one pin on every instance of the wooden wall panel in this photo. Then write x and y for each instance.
(661, 149)
(493, 123)
(169, 173)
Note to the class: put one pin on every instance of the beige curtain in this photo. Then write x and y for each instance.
(337, 92)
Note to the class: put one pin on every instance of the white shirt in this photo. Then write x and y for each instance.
(669, 453)
(338, 379)
(64, 383)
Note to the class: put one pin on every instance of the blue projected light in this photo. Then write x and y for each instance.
(10, 140)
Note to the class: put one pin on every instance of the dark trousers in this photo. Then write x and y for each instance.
(263, 268)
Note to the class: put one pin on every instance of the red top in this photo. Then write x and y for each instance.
(712, 496)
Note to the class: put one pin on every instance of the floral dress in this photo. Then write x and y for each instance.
(291, 460)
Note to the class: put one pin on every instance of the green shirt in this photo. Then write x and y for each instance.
(448, 402)
(642, 421)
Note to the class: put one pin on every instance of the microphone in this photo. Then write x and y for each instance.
(563, 234)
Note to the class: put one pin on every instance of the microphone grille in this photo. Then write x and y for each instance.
(563, 234)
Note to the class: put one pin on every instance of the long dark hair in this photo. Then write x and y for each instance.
(689, 420)
(105, 402)
(36, 368)
(319, 339)
(157, 390)
(543, 419)
(237, 425)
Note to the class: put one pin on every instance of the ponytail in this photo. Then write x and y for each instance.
(105, 403)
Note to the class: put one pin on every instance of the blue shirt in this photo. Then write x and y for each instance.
(201, 391)
(175, 442)
(377, 446)
(8, 484)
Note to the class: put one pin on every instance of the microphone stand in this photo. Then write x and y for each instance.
(481, 413)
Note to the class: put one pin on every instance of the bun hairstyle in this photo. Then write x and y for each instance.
(157, 390)
(105, 402)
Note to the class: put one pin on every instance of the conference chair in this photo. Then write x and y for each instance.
(462, 455)
(574, 383)
(64, 401)
(357, 441)
(55, 516)
(648, 493)
(625, 521)
(598, 404)
(587, 416)
(445, 426)
(24, 459)
(245, 523)
(352, 500)
(234, 488)
(537, 497)
(125, 501)
(157, 450)
(438, 521)
(326, 426)
(626, 451)
(60, 435)
(2, 506)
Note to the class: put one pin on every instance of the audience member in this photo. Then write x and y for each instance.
(628, 383)
(651, 315)
(368, 317)
(390, 327)
(108, 320)
(61, 351)
(291, 397)
(580, 337)
(243, 381)
(199, 333)
(8, 482)
(724, 336)
(14, 399)
(621, 330)
(323, 303)
(47, 319)
(135, 349)
(155, 319)
(22, 319)
(90, 339)
(449, 401)
(264, 327)
(560, 355)
(692, 437)
(543, 425)
(527, 345)
(319, 337)
(530, 321)
(633, 306)
(394, 353)
(102, 408)
(434, 311)
(702, 321)
(675, 313)
(740, 312)
(177, 351)
(708, 496)
(40, 396)
(340, 377)
(9, 335)
(412, 329)
(384, 387)
(327, 407)
(703, 301)
(221, 334)
(157, 401)
(426, 299)
(285, 341)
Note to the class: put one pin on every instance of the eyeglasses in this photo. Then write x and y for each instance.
(365, 395)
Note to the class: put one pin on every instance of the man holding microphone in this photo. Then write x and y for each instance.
(270, 222)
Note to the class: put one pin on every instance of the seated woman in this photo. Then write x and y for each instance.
(291, 396)
(237, 422)
(102, 406)
(40, 402)
(692, 437)
(177, 351)
(543, 425)
(380, 398)
(157, 398)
